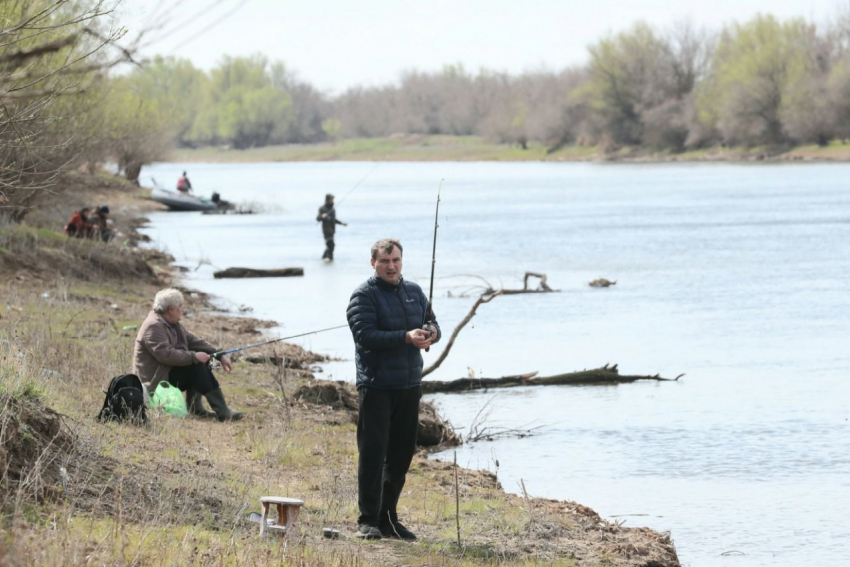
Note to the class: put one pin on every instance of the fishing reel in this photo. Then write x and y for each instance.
(214, 363)
(428, 327)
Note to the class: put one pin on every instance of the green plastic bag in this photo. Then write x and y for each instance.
(170, 399)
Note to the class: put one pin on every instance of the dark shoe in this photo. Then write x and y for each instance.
(368, 531)
(195, 405)
(398, 531)
(219, 406)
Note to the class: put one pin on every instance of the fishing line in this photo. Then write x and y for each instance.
(221, 353)
(210, 26)
(356, 185)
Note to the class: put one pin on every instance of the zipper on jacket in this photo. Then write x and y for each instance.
(406, 324)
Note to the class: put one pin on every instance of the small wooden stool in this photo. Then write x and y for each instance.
(287, 512)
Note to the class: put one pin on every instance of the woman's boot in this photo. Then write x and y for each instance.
(195, 405)
(219, 406)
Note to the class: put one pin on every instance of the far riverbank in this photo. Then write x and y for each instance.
(416, 148)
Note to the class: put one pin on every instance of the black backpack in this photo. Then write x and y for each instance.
(125, 400)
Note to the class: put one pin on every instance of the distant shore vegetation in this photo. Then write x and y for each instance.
(74, 93)
(764, 82)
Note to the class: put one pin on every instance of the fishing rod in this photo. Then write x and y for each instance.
(429, 315)
(219, 354)
(356, 185)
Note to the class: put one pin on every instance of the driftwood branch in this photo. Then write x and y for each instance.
(486, 297)
(600, 376)
(483, 299)
(253, 273)
(542, 286)
(605, 375)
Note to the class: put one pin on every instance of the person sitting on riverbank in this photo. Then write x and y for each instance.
(78, 225)
(183, 184)
(166, 351)
(101, 224)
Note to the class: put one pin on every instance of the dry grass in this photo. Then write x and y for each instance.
(176, 492)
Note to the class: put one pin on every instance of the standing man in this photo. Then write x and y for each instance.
(327, 216)
(386, 315)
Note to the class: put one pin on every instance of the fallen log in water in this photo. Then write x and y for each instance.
(604, 375)
(254, 273)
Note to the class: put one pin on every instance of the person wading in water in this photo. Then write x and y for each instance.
(327, 216)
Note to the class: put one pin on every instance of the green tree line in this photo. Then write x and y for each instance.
(764, 81)
(70, 95)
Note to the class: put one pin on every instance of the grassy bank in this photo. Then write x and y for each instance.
(473, 148)
(394, 148)
(176, 492)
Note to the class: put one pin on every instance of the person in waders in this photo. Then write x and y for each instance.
(327, 216)
(386, 314)
(166, 351)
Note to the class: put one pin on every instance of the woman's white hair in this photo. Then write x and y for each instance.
(167, 298)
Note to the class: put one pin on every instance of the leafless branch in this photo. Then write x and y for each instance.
(486, 297)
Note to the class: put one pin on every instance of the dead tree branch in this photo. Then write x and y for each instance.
(486, 297)
(606, 375)
(481, 300)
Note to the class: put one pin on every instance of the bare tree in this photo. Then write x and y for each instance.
(51, 55)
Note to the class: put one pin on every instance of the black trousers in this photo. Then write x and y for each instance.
(386, 440)
(329, 244)
(196, 377)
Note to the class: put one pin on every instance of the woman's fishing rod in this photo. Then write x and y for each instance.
(219, 354)
(429, 315)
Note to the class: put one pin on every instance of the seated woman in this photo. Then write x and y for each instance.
(165, 350)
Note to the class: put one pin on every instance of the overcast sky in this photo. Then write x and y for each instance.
(336, 44)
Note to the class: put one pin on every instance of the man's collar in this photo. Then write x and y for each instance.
(387, 285)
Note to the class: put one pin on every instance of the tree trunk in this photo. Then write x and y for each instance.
(132, 171)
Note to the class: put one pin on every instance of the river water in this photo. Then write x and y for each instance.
(737, 276)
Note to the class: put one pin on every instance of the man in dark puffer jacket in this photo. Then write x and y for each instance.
(386, 316)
